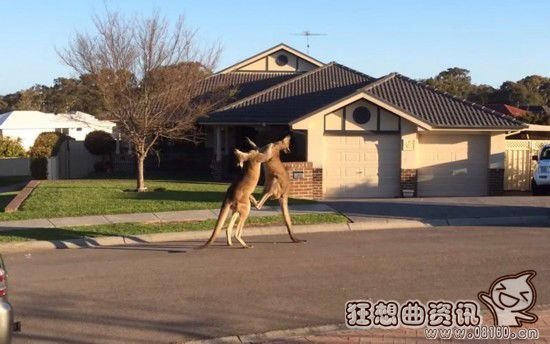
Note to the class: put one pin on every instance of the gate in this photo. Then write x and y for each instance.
(518, 169)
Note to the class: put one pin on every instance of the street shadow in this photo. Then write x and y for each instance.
(426, 209)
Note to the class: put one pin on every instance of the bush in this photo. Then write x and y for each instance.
(39, 168)
(47, 144)
(11, 148)
(100, 143)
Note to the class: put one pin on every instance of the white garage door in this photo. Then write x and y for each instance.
(362, 166)
(453, 165)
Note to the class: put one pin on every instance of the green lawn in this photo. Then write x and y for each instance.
(141, 228)
(95, 197)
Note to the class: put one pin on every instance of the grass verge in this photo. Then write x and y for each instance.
(65, 198)
(144, 228)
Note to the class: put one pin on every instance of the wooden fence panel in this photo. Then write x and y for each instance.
(519, 165)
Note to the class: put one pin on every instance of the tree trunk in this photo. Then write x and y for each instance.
(140, 179)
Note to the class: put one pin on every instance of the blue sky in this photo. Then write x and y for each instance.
(497, 40)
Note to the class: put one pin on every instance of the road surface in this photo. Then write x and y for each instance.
(169, 292)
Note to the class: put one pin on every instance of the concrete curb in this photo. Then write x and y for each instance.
(271, 335)
(375, 224)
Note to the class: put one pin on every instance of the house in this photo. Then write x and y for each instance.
(27, 125)
(509, 110)
(359, 136)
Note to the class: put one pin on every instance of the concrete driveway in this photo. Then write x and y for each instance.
(425, 209)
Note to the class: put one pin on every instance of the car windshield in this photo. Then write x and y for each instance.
(545, 155)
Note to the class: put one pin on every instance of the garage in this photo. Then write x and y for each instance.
(362, 166)
(453, 165)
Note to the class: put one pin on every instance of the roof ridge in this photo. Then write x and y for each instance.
(463, 100)
(274, 87)
(350, 69)
(280, 46)
(378, 81)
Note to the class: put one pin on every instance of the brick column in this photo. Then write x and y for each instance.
(496, 182)
(301, 179)
(317, 183)
(409, 178)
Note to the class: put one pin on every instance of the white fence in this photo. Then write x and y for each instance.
(10, 167)
(518, 169)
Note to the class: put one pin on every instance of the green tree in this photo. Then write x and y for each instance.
(455, 81)
(33, 98)
(11, 148)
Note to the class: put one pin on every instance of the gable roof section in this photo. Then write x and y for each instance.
(245, 84)
(436, 108)
(270, 51)
(294, 98)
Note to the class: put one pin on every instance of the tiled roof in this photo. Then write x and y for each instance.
(294, 98)
(508, 110)
(244, 84)
(436, 108)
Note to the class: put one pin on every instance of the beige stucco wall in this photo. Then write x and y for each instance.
(255, 66)
(333, 121)
(294, 64)
(409, 145)
(315, 132)
(497, 150)
(371, 125)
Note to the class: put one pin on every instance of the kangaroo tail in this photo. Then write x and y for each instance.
(224, 211)
(283, 202)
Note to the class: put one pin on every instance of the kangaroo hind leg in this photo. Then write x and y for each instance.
(230, 227)
(239, 232)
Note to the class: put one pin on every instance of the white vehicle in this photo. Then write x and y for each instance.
(541, 175)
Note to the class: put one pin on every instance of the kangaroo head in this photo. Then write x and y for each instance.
(284, 144)
(255, 156)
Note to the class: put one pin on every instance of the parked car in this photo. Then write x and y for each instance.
(7, 325)
(541, 175)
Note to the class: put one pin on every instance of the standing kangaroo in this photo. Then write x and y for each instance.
(239, 194)
(277, 182)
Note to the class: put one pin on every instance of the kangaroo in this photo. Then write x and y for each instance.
(277, 182)
(239, 194)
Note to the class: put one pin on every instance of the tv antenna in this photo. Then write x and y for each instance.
(308, 34)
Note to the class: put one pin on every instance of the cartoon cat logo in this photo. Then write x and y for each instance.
(510, 298)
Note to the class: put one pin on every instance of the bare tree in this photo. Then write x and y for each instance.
(148, 74)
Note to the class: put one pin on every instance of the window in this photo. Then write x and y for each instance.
(545, 155)
(78, 129)
(361, 115)
(281, 60)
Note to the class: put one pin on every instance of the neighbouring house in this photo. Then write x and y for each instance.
(359, 136)
(27, 125)
(509, 110)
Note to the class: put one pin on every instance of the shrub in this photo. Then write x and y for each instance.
(47, 144)
(11, 148)
(39, 167)
(100, 143)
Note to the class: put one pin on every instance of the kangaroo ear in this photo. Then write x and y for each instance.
(251, 143)
(241, 157)
(286, 140)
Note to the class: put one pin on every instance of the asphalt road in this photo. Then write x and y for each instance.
(171, 293)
